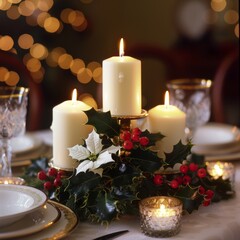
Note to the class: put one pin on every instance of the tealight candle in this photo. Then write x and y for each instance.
(122, 85)
(169, 121)
(69, 128)
(225, 170)
(160, 216)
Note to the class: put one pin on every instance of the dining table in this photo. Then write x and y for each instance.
(218, 221)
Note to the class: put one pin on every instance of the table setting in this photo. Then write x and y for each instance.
(121, 171)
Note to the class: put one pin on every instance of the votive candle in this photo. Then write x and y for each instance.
(160, 216)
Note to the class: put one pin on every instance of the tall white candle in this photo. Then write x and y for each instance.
(169, 121)
(69, 129)
(122, 84)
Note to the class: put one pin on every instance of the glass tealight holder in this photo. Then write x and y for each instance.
(225, 170)
(12, 180)
(160, 216)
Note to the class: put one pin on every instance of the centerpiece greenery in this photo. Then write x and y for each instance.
(119, 167)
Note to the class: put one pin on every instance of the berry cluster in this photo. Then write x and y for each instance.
(190, 175)
(133, 138)
(51, 178)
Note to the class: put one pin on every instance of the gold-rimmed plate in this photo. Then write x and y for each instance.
(64, 226)
(33, 222)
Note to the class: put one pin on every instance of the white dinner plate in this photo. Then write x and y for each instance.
(66, 224)
(18, 200)
(25, 143)
(216, 139)
(32, 222)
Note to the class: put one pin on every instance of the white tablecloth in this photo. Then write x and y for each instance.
(219, 221)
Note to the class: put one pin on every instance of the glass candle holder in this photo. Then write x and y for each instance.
(12, 180)
(225, 170)
(160, 216)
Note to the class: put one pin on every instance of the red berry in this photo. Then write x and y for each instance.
(60, 174)
(193, 167)
(128, 145)
(48, 185)
(52, 172)
(209, 194)
(174, 184)
(184, 169)
(201, 190)
(158, 179)
(201, 172)
(179, 179)
(57, 182)
(144, 141)
(135, 137)
(206, 202)
(42, 175)
(136, 131)
(125, 135)
(186, 179)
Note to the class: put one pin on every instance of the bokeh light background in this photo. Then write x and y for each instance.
(44, 33)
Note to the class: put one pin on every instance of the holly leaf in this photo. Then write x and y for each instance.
(82, 183)
(106, 207)
(179, 153)
(146, 160)
(190, 197)
(103, 122)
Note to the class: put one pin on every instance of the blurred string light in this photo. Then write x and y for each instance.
(230, 16)
(37, 14)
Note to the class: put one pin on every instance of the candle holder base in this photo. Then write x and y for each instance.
(67, 172)
(125, 120)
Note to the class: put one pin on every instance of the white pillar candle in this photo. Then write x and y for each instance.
(122, 85)
(69, 129)
(169, 121)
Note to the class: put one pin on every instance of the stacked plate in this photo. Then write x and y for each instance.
(217, 142)
(26, 214)
(27, 147)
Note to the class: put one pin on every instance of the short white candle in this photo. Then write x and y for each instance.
(69, 129)
(169, 121)
(122, 84)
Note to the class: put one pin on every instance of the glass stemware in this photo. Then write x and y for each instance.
(13, 110)
(192, 96)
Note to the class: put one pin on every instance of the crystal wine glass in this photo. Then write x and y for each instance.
(13, 110)
(192, 96)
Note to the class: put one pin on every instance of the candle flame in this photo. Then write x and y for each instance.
(166, 99)
(74, 95)
(121, 48)
(218, 171)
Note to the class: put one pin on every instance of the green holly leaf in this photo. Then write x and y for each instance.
(82, 183)
(179, 153)
(103, 122)
(106, 206)
(190, 197)
(146, 160)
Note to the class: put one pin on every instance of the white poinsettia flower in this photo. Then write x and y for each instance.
(92, 157)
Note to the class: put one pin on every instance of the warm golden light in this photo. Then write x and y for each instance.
(236, 30)
(231, 17)
(38, 51)
(25, 41)
(74, 95)
(121, 48)
(84, 75)
(51, 24)
(76, 65)
(218, 5)
(6, 43)
(65, 61)
(13, 13)
(26, 8)
(166, 99)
